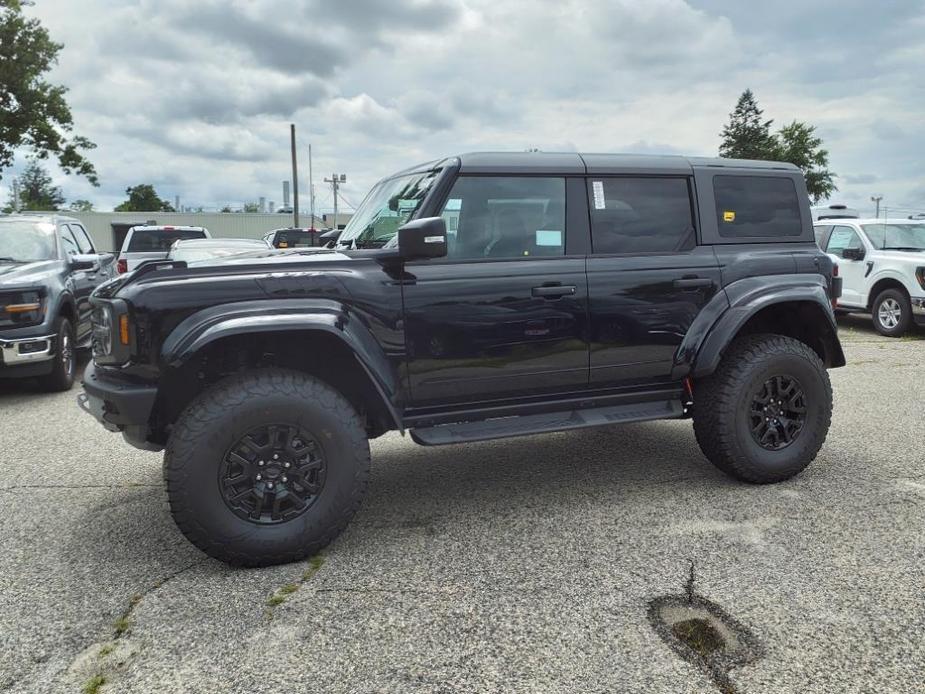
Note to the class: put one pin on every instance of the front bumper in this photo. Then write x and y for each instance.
(918, 311)
(119, 405)
(26, 356)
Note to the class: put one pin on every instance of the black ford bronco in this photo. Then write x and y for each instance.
(478, 297)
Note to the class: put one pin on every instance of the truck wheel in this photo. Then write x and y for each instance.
(763, 415)
(892, 313)
(265, 468)
(64, 364)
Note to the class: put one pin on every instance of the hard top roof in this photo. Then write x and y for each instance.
(50, 217)
(592, 163)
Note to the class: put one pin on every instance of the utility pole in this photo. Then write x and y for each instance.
(335, 181)
(15, 195)
(876, 199)
(311, 187)
(295, 180)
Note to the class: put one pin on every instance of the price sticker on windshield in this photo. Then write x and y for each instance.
(598, 189)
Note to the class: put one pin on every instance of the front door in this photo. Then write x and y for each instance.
(852, 271)
(647, 278)
(505, 313)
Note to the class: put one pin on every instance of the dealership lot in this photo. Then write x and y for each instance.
(515, 565)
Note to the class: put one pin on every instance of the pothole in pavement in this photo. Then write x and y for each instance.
(702, 633)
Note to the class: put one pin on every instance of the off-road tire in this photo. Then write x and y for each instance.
(722, 403)
(64, 364)
(900, 300)
(212, 422)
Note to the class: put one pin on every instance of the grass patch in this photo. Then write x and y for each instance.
(105, 650)
(700, 635)
(93, 684)
(121, 625)
(314, 564)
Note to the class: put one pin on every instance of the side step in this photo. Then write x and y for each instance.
(505, 427)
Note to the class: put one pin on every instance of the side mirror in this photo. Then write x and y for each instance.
(422, 238)
(85, 261)
(853, 254)
(329, 238)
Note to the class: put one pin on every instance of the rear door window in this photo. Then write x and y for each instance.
(296, 239)
(756, 207)
(160, 240)
(641, 215)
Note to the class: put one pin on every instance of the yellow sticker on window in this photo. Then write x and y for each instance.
(729, 216)
(283, 244)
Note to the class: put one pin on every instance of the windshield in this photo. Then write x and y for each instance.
(160, 240)
(899, 237)
(389, 204)
(27, 241)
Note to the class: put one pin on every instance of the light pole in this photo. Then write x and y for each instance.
(335, 181)
(876, 200)
(295, 180)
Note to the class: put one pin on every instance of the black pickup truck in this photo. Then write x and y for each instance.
(482, 296)
(48, 269)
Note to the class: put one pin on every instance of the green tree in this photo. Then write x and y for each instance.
(36, 190)
(251, 207)
(81, 206)
(225, 209)
(798, 144)
(747, 135)
(33, 112)
(143, 198)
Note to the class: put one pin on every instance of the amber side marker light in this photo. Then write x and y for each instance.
(123, 329)
(22, 308)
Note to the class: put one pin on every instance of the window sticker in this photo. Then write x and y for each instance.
(729, 216)
(548, 237)
(598, 188)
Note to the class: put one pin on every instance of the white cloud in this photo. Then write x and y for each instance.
(195, 96)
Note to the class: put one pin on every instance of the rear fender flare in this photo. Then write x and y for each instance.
(702, 349)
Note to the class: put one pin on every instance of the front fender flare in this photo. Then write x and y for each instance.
(248, 317)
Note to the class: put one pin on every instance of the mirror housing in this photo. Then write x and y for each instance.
(85, 261)
(422, 238)
(329, 238)
(853, 254)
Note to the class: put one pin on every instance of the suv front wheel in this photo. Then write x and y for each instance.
(266, 467)
(764, 414)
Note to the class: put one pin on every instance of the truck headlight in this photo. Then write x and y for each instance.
(21, 309)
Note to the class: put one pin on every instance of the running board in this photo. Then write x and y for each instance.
(527, 425)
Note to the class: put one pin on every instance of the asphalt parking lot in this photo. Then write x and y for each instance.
(520, 565)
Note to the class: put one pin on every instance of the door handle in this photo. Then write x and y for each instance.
(692, 283)
(555, 291)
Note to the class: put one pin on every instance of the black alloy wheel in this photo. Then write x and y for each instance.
(272, 474)
(778, 413)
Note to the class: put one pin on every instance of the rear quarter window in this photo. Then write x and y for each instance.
(756, 207)
(156, 240)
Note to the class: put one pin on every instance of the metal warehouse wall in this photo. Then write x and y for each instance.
(228, 225)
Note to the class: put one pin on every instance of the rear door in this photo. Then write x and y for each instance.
(80, 282)
(504, 315)
(647, 278)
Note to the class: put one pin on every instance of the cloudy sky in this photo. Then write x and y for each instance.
(196, 96)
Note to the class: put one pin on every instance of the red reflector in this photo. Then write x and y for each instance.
(167, 229)
(122, 266)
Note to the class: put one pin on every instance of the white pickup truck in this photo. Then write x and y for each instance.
(143, 243)
(882, 266)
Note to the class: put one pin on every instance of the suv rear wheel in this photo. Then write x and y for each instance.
(763, 415)
(266, 467)
(892, 313)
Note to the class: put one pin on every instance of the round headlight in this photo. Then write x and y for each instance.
(102, 331)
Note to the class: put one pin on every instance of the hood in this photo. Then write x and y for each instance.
(916, 258)
(273, 257)
(24, 274)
